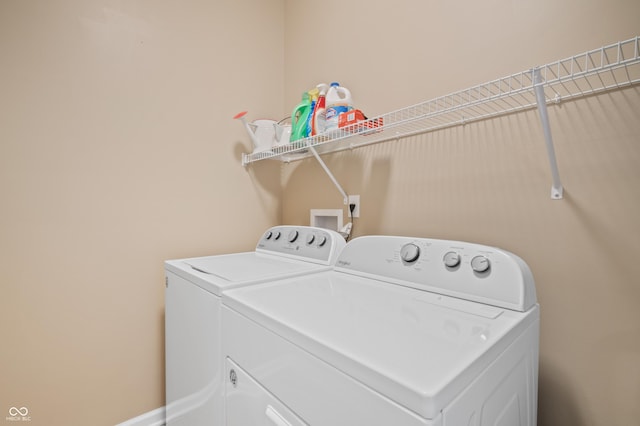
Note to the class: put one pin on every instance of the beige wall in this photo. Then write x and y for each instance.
(118, 151)
(489, 182)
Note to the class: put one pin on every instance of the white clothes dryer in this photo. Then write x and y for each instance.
(194, 363)
(403, 332)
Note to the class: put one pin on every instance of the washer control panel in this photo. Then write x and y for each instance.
(311, 243)
(454, 268)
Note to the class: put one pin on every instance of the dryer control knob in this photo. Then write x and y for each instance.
(451, 259)
(268, 235)
(310, 239)
(480, 264)
(293, 235)
(410, 252)
(276, 235)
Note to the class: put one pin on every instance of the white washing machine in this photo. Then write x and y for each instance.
(194, 363)
(402, 332)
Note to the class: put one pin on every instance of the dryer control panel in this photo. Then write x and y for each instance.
(465, 270)
(302, 242)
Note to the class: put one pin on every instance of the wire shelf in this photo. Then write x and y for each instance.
(608, 68)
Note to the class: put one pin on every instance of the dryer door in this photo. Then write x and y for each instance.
(248, 403)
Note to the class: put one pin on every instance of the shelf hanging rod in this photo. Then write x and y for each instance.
(556, 188)
(328, 172)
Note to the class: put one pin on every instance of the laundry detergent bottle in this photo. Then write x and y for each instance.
(300, 118)
(320, 111)
(338, 100)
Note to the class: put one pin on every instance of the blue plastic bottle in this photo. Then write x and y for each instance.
(313, 95)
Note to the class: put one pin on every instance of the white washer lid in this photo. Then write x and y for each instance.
(221, 272)
(419, 349)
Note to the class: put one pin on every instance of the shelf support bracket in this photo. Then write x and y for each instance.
(538, 87)
(328, 172)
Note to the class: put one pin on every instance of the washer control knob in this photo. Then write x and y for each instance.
(322, 240)
(310, 239)
(451, 259)
(293, 235)
(268, 235)
(276, 235)
(480, 264)
(410, 252)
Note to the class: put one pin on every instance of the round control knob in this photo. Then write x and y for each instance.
(410, 252)
(276, 235)
(268, 235)
(310, 239)
(293, 235)
(322, 240)
(480, 264)
(451, 259)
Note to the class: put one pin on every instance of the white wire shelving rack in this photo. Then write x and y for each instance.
(610, 67)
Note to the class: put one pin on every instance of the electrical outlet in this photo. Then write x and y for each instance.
(354, 199)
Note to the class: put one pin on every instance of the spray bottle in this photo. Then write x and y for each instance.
(319, 113)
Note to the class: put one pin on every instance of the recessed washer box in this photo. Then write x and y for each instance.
(326, 218)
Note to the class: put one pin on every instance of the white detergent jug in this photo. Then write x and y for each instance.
(338, 100)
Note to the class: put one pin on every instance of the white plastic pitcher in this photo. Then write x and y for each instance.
(262, 132)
